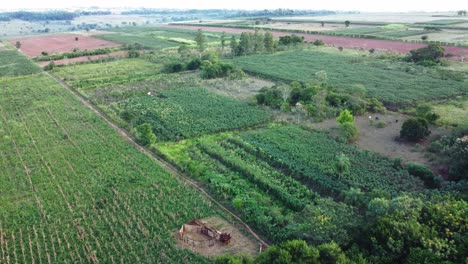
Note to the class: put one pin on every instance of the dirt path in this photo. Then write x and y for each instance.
(346, 42)
(164, 164)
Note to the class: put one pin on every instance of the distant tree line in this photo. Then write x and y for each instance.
(37, 16)
(280, 12)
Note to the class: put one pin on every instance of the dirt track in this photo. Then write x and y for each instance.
(345, 42)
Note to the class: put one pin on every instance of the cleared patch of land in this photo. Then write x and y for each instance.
(34, 46)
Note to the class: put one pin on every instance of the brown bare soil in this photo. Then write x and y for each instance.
(84, 58)
(239, 245)
(33, 46)
(345, 42)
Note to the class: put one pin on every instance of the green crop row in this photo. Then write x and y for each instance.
(389, 82)
(12, 63)
(187, 112)
(73, 190)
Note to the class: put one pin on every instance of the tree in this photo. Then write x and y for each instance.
(322, 23)
(347, 23)
(18, 44)
(432, 52)
(246, 45)
(268, 42)
(200, 40)
(414, 129)
(345, 117)
(259, 44)
(233, 44)
(145, 135)
(223, 40)
(331, 253)
(424, 38)
(76, 39)
(342, 165)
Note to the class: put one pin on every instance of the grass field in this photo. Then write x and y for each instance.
(73, 190)
(12, 63)
(389, 82)
(453, 112)
(154, 38)
(91, 76)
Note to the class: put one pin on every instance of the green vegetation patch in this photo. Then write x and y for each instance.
(278, 206)
(312, 156)
(392, 83)
(186, 112)
(453, 112)
(91, 76)
(12, 63)
(75, 189)
(155, 38)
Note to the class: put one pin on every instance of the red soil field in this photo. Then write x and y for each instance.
(33, 46)
(84, 58)
(345, 42)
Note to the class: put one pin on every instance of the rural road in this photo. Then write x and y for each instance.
(164, 164)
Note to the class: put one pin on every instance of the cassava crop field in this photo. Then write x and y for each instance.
(73, 190)
(389, 82)
(14, 64)
(338, 146)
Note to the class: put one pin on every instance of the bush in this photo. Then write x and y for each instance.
(349, 131)
(173, 67)
(345, 117)
(145, 135)
(270, 96)
(429, 54)
(194, 64)
(318, 43)
(380, 124)
(414, 129)
(50, 66)
(375, 106)
(217, 70)
(133, 54)
(424, 173)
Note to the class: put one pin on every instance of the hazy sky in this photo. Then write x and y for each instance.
(361, 5)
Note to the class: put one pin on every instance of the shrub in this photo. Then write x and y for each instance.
(50, 66)
(194, 64)
(414, 129)
(380, 124)
(133, 54)
(173, 67)
(217, 70)
(424, 173)
(349, 131)
(210, 56)
(345, 117)
(431, 53)
(318, 43)
(145, 135)
(270, 96)
(375, 106)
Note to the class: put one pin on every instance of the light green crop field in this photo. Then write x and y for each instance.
(155, 38)
(453, 112)
(73, 190)
(90, 76)
(12, 63)
(390, 82)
